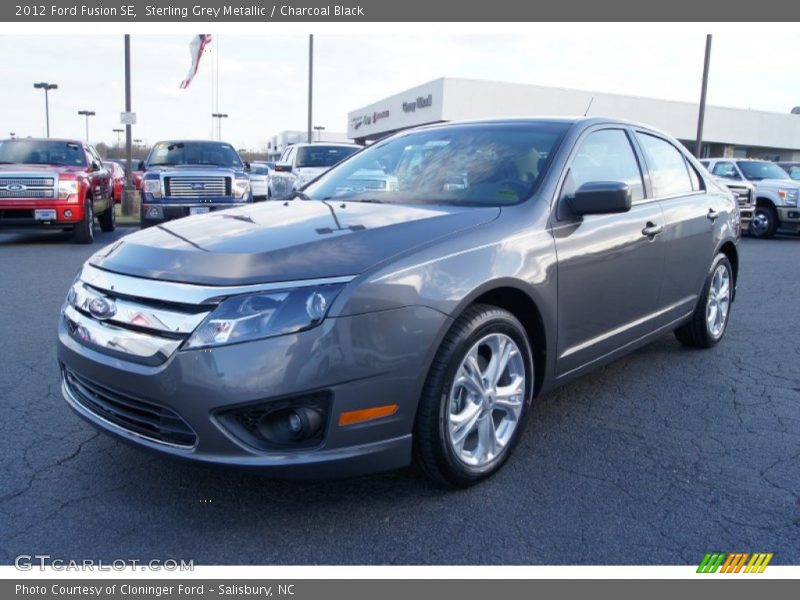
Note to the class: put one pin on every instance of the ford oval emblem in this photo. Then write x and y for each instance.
(16, 187)
(198, 186)
(102, 308)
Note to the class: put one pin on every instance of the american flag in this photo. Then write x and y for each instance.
(196, 48)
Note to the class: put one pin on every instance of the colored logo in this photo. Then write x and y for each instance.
(734, 562)
(101, 309)
(16, 187)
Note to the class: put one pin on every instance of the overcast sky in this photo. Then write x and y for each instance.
(263, 79)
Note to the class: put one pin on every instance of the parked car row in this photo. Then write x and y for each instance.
(774, 187)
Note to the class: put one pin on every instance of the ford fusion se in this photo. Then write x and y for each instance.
(405, 306)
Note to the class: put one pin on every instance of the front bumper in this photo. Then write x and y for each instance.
(22, 213)
(159, 211)
(789, 214)
(360, 361)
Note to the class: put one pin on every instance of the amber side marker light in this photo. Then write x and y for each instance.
(352, 417)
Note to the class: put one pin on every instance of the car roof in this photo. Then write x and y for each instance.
(201, 141)
(44, 139)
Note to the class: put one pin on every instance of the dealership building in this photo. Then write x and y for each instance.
(730, 132)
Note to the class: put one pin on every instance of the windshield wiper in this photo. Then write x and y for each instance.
(7, 162)
(301, 195)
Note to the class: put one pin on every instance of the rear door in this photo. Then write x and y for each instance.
(610, 266)
(690, 214)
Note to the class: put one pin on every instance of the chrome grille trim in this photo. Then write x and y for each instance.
(196, 186)
(118, 340)
(33, 187)
(141, 316)
(187, 293)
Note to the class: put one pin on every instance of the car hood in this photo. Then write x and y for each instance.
(210, 169)
(283, 241)
(775, 184)
(39, 169)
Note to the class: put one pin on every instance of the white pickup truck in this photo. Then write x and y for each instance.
(776, 193)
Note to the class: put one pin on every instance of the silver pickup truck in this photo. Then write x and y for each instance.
(776, 193)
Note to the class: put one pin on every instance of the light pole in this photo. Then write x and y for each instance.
(219, 117)
(42, 85)
(698, 147)
(87, 114)
(119, 132)
(319, 129)
(310, 83)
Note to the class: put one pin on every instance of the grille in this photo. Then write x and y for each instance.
(197, 187)
(35, 187)
(743, 195)
(152, 421)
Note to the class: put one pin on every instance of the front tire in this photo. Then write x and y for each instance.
(764, 223)
(710, 319)
(476, 398)
(84, 231)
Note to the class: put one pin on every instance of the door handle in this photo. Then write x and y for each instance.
(651, 230)
(712, 215)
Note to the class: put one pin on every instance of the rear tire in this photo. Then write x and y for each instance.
(84, 231)
(108, 220)
(764, 223)
(455, 418)
(712, 313)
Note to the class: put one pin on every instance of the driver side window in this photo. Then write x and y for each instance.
(606, 155)
(725, 169)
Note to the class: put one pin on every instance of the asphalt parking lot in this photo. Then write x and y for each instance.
(655, 459)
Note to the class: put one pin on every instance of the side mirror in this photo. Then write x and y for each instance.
(283, 167)
(601, 197)
(94, 166)
(141, 166)
(246, 165)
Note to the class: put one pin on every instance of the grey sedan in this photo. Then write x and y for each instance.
(358, 328)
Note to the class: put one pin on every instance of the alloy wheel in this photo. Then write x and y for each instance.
(486, 400)
(719, 301)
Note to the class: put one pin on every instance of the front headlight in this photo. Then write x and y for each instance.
(258, 316)
(790, 196)
(152, 186)
(67, 188)
(241, 185)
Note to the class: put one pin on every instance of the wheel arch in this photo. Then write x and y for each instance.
(728, 248)
(511, 297)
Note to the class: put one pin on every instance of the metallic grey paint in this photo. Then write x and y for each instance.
(598, 287)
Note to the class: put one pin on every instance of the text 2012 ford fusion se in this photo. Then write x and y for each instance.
(361, 326)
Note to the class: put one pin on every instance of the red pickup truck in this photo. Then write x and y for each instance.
(57, 184)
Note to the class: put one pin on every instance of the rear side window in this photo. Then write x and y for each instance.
(669, 174)
(606, 155)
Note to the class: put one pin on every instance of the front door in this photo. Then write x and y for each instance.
(609, 266)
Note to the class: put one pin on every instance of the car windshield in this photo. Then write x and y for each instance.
(259, 170)
(42, 152)
(756, 170)
(322, 156)
(194, 153)
(484, 164)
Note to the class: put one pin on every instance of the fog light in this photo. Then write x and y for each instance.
(154, 212)
(290, 425)
(67, 214)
